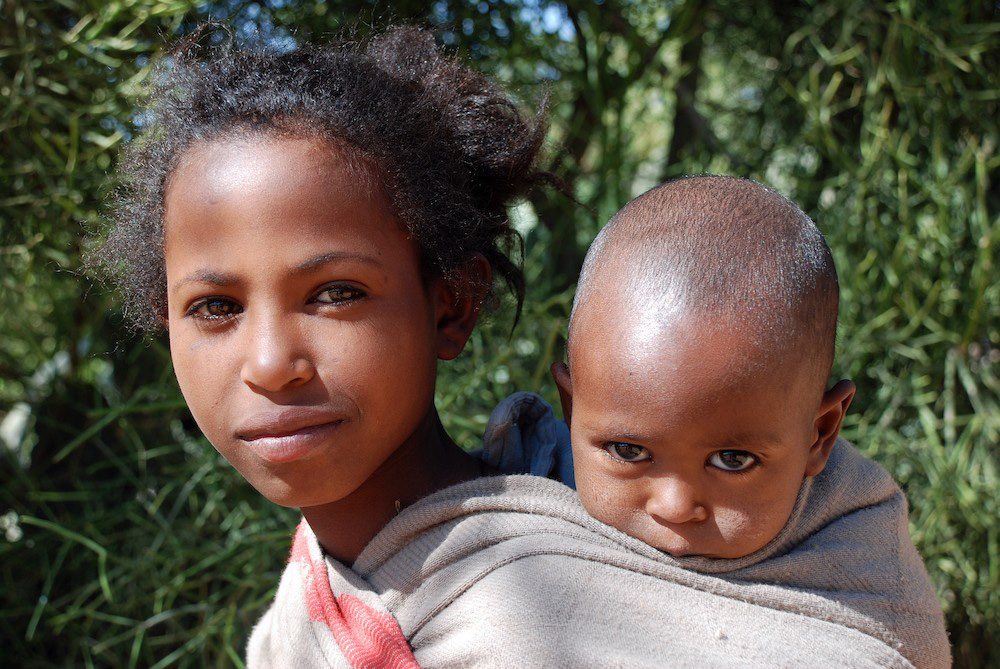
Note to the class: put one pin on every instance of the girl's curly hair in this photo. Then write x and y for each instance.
(448, 144)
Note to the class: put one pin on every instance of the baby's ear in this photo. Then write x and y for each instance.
(829, 418)
(458, 300)
(560, 373)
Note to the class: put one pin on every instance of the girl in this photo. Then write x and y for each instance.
(315, 229)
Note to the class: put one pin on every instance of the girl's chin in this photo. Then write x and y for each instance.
(291, 499)
(293, 492)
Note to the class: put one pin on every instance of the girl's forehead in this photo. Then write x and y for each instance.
(307, 148)
(280, 188)
(263, 163)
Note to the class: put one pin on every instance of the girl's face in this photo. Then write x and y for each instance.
(302, 334)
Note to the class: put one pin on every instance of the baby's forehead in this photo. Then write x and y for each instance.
(647, 331)
(645, 342)
(626, 303)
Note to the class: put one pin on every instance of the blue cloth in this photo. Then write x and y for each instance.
(523, 436)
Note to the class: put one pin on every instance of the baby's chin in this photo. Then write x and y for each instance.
(679, 546)
(705, 539)
(667, 541)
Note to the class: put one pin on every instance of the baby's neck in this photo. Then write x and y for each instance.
(426, 462)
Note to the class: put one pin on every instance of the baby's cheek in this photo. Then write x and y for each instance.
(593, 498)
(592, 482)
(736, 524)
(748, 529)
(607, 500)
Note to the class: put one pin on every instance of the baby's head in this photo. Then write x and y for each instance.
(700, 344)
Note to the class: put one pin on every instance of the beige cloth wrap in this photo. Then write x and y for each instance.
(511, 571)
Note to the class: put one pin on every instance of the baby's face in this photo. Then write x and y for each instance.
(678, 442)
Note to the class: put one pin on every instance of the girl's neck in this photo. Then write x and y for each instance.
(426, 462)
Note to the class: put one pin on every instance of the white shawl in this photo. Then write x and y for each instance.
(510, 571)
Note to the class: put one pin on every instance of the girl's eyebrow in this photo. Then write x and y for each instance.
(322, 259)
(209, 277)
(310, 265)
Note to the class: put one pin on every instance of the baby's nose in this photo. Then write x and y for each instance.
(673, 500)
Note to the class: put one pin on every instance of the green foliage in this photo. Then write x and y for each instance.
(130, 543)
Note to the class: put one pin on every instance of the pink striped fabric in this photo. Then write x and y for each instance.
(369, 639)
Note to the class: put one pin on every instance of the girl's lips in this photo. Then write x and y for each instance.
(288, 436)
(292, 446)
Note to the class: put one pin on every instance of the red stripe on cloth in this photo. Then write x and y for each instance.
(369, 639)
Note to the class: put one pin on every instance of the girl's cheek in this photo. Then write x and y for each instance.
(200, 369)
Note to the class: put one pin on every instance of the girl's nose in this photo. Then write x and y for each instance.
(675, 501)
(274, 359)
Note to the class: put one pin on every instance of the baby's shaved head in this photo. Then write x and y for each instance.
(728, 252)
(700, 347)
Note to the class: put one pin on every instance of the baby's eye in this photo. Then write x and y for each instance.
(214, 308)
(732, 461)
(626, 452)
(338, 294)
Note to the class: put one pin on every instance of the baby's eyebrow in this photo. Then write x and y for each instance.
(621, 433)
(750, 440)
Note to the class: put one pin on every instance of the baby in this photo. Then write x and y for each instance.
(701, 340)
(700, 345)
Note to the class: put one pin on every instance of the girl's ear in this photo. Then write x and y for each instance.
(560, 374)
(829, 418)
(162, 314)
(458, 301)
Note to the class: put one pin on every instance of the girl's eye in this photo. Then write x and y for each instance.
(732, 461)
(214, 308)
(627, 452)
(339, 294)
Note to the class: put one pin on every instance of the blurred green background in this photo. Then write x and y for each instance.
(128, 542)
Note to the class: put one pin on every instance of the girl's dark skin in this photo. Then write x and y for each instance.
(427, 462)
(304, 337)
(317, 228)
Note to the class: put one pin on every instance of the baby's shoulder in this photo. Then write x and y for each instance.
(524, 436)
